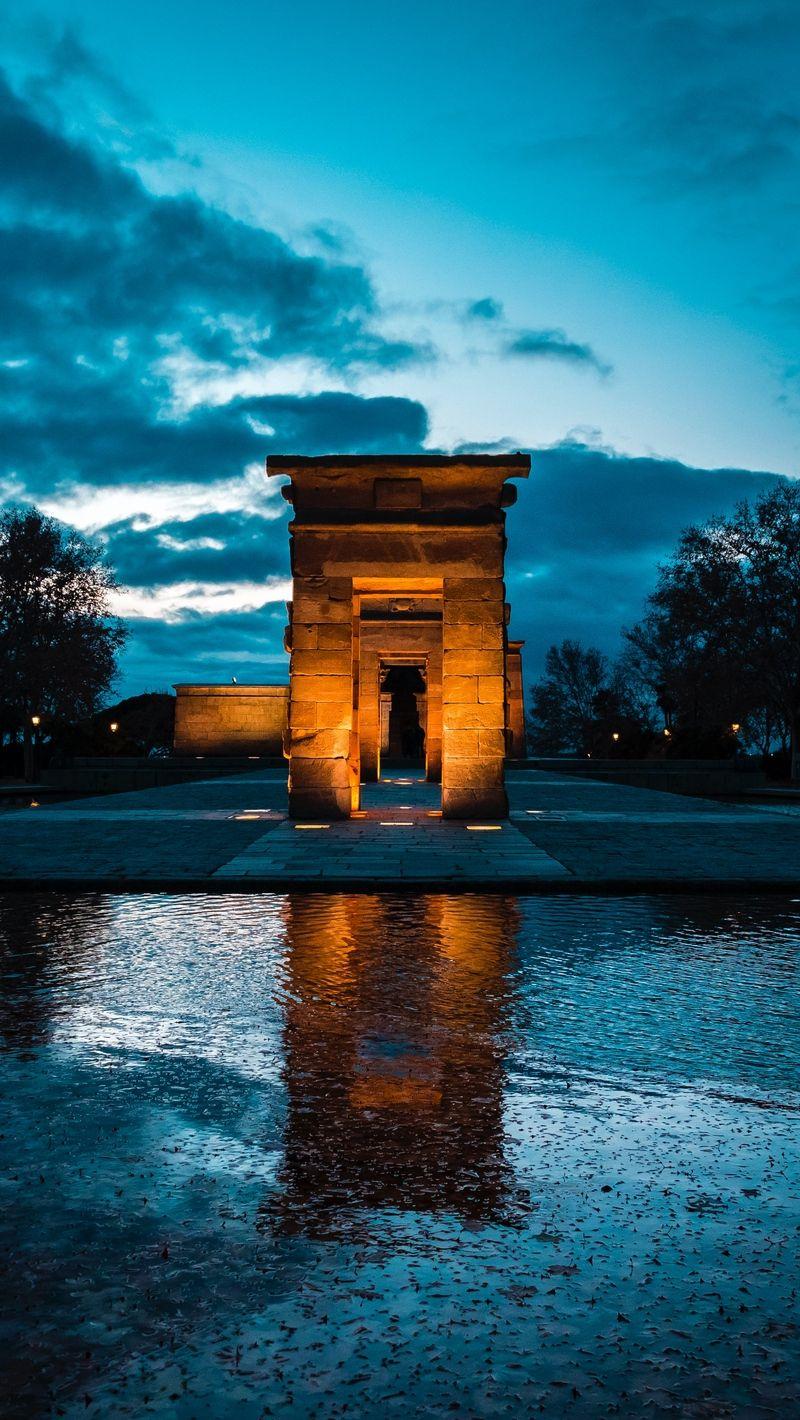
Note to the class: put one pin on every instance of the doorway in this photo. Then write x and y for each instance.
(403, 719)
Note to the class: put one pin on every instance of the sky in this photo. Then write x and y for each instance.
(229, 230)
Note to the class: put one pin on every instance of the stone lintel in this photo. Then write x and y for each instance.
(396, 488)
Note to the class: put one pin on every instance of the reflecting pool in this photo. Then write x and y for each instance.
(433, 1155)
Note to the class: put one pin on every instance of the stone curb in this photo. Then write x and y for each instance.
(533, 886)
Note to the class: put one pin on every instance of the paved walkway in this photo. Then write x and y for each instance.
(563, 834)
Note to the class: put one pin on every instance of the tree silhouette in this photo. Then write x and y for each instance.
(720, 642)
(58, 639)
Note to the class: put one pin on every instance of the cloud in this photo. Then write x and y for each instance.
(554, 345)
(589, 531)
(584, 544)
(153, 348)
(487, 308)
(121, 439)
(525, 343)
(208, 647)
(147, 339)
(220, 548)
(695, 100)
(104, 284)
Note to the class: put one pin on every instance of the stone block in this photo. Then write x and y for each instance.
(304, 636)
(488, 589)
(335, 636)
(320, 803)
(308, 773)
(461, 690)
(467, 637)
(314, 605)
(471, 663)
(303, 715)
(491, 689)
(471, 804)
(472, 717)
(340, 589)
(332, 715)
(321, 663)
(463, 744)
(474, 613)
(323, 687)
(490, 742)
(466, 774)
(492, 638)
(321, 744)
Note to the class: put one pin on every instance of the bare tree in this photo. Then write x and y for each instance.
(585, 704)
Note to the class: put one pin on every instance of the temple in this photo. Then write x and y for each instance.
(397, 626)
(399, 651)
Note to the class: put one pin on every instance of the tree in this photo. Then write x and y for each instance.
(58, 639)
(720, 643)
(145, 723)
(582, 703)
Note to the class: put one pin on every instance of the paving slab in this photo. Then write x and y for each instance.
(563, 834)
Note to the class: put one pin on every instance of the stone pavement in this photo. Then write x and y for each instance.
(563, 834)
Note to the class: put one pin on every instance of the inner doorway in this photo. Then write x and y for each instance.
(403, 719)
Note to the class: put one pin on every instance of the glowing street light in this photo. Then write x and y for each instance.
(667, 733)
(735, 728)
(113, 727)
(615, 736)
(36, 720)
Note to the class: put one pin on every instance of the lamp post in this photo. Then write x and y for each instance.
(30, 749)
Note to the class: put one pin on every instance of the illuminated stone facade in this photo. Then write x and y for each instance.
(516, 740)
(398, 563)
(230, 719)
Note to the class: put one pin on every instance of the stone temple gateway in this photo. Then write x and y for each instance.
(397, 627)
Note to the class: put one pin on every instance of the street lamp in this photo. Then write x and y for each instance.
(113, 727)
(735, 728)
(615, 736)
(31, 750)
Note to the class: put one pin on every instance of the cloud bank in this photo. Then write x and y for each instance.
(154, 348)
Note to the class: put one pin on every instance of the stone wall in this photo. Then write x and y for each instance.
(516, 738)
(230, 719)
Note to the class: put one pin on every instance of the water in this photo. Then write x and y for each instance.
(270, 1155)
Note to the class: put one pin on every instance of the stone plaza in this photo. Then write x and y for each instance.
(564, 834)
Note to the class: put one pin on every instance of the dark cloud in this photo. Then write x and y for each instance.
(485, 309)
(213, 547)
(698, 100)
(589, 532)
(82, 95)
(103, 432)
(553, 345)
(101, 279)
(214, 647)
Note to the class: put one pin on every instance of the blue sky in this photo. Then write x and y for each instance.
(570, 229)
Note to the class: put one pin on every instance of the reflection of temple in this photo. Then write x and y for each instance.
(394, 1061)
